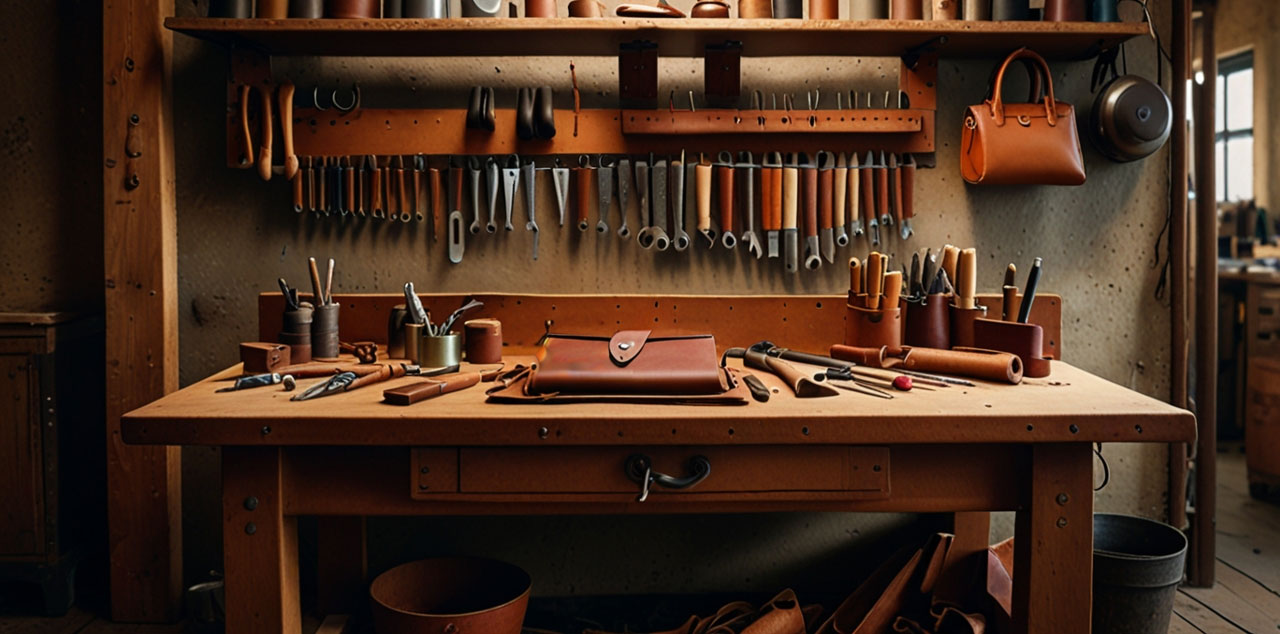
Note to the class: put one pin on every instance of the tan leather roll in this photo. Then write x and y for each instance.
(906, 10)
(586, 9)
(824, 10)
(483, 340)
(539, 8)
(962, 325)
(755, 9)
(929, 323)
(869, 328)
(870, 357)
(1024, 340)
(973, 363)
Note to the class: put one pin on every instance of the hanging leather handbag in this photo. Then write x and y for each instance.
(1021, 143)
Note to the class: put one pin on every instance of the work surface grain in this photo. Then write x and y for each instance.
(1070, 405)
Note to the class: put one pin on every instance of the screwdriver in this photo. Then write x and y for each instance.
(1033, 278)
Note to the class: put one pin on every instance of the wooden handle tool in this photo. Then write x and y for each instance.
(812, 258)
(908, 199)
(264, 148)
(866, 175)
(1009, 309)
(826, 213)
(724, 187)
(875, 279)
(895, 188)
(840, 189)
(437, 202)
(375, 189)
(430, 388)
(966, 285)
(790, 207)
(582, 189)
(297, 183)
(950, 256)
(284, 98)
(853, 181)
(855, 276)
(702, 174)
(348, 183)
(317, 291)
(246, 140)
(892, 289)
(771, 200)
(882, 191)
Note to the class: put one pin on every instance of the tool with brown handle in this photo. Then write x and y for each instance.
(950, 256)
(771, 200)
(264, 148)
(725, 187)
(892, 289)
(875, 280)
(908, 199)
(297, 183)
(790, 208)
(895, 188)
(375, 189)
(840, 185)
(809, 174)
(866, 177)
(854, 194)
(800, 382)
(430, 388)
(322, 186)
(826, 185)
(855, 276)
(349, 183)
(966, 285)
(285, 100)
(246, 149)
(702, 176)
(437, 202)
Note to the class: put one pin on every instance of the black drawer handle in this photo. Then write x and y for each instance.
(639, 469)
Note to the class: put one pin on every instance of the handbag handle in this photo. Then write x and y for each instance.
(997, 98)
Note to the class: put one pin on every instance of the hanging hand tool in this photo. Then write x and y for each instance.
(437, 202)
(790, 207)
(686, 204)
(1029, 295)
(358, 162)
(473, 170)
(661, 240)
(246, 139)
(895, 188)
(882, 191)
(967, 279)
(771, 199)
(703, 186)
(322, 174)
(252, 381)
(950, 256)
(646, 235)
(604, 192)
(375, 188)
(1009, 293)
(624, 194)
(328, 284)
(309, 184)
(747, 177)
(582, 192)
(560, 181)
(854, 196)
(875, 279)
(907, 203)
(855, 276)
(510, 185)
(455, 186)
(457, 236)
(419, 205)
(840, 189)
(892, 289)
(446, 327)
(826, 183)
(725, 189)
(867, 174)
(491, 181)
(298, 182)
(348, 184)
(317, 291)
(284, 98)
(264, 146)
(530, 203)
(413, 306)
(398, 187)
(339, 186)
(809, 185)
(677, 177)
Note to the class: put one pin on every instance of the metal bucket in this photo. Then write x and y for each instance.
(454, 595)
(1137, 566)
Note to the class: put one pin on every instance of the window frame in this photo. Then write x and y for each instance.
(1229, 66)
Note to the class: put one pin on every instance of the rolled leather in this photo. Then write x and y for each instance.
(629, 362)
(483, 340)
(868, 9)
(539, 8)
(755, 9)
(824, 10)
(906, 10)
(1024, 340)
(928, 323)
(969, 362)
(870, 357)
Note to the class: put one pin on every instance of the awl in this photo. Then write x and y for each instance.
(826, 212)
(840, 188)
(907, 203)
(746, 177)
(771, 199)
(790, 208)
(530, 203)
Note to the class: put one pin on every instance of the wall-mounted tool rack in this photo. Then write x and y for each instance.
(655, 126)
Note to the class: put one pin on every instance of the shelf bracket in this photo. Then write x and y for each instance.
(912, 57)
(722, 74)
(638, 74)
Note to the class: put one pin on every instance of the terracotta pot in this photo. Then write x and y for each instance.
(458, 595)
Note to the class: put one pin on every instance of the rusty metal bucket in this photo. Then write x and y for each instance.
(453, 595)
(1137, 566)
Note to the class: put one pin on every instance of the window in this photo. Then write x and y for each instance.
(1233, 127)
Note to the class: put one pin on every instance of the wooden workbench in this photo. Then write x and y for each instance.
(967, 450)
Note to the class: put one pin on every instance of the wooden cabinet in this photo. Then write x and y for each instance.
(51, 403)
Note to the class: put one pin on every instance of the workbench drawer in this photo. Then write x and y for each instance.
(863, 471)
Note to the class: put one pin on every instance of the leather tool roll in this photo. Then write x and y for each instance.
(755, 9)
(868, 9)
(868, 328)
(483, 340)
(539, 8)
(906, 10)
(962, 325)
(1021, 143)
(788, 9)
(928, 323)
(430, 388)
(1024, 340)
(629, 362)
(870, 357)
(824, 10)
(988, 365)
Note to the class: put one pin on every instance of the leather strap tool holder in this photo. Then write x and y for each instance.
(1024, 340)
(1021, 143)
(873, 328)
(928, 322)
(962, 320)
(681, 176)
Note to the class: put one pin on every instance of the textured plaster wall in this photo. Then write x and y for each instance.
(50, 135)
(237, 235)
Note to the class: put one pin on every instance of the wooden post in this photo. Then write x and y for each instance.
(259, 544)
(1178, 149)
(1053, 543)
(140, 270)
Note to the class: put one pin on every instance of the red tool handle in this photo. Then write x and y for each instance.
(724, 183)
(826, 207)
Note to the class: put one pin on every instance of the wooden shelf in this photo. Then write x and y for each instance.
(460, 37)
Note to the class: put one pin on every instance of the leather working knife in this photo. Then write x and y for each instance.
(746, 177)
(867, 184)
(809, 172)
(826, 183)
(908, 200)
(854, 195)
(661, 240)
(510, 185)
(840, 188)
(790, 207)
(604, 193)
(725, 189)
(624, 195)
(703, 173)
(560, 180)
(771, 200)
(882, 192)
(582, 192)
(530, 202)
(679, 237)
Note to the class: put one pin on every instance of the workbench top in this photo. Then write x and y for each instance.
(1070, 405)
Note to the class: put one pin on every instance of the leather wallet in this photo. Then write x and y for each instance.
(629, 362)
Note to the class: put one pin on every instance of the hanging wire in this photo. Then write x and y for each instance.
(1106, 470)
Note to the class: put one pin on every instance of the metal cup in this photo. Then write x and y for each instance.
(426, 8)
(231, 9)
(441, 351)
(413, 342)
(481, 8)
(324, 332)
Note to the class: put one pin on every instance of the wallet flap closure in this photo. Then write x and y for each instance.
(626, 344)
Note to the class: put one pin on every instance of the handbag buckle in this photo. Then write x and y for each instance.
(970, 122)
(1024, 121)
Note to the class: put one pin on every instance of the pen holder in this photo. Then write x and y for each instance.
(928, 322)
(873, 328)
(962, 325)
(324, 332)
(395, 331)
(483, 340)
(1024, 340)
(412, 336)
(441, 351)
(296, 332)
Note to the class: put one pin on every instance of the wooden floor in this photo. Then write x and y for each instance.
(1246, 597)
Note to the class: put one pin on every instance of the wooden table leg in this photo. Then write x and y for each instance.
(1053, 543)
(259, 544)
